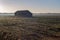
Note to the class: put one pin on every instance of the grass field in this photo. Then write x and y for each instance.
(35, 28)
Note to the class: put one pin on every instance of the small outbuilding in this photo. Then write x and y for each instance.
(23, 13)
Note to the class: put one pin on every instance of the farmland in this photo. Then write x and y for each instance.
(35, 28)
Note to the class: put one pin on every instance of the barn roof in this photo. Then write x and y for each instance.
(23, 11)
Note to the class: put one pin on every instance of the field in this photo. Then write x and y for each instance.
(35, 28)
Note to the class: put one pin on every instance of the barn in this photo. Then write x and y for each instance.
(23, 13)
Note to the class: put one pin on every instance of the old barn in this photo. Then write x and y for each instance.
(23, 13)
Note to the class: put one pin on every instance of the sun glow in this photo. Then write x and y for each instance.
(1, 8)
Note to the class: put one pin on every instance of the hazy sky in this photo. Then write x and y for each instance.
(37, 6)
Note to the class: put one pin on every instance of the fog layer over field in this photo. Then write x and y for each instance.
(33, 14)
(7, 14)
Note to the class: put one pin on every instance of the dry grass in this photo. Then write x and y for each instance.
(19, 28)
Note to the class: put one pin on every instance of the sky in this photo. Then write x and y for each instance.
(35, 6)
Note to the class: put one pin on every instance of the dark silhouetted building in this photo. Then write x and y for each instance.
(23, 13)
